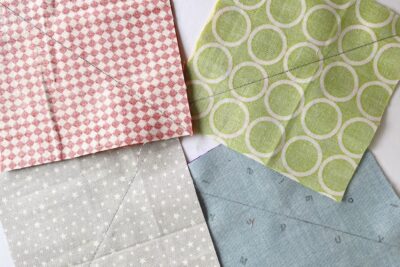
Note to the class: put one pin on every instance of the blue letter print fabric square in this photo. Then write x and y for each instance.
(258, 217)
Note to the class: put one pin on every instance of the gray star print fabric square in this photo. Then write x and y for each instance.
(134, 206)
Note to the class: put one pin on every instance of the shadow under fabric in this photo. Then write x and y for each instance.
(258, 217)
(134, 206)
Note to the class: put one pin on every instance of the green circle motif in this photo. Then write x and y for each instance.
(229, 118)
(284, 100)
(263, 137)
(357, 38)
(374, 100)
(231, 20)
(285, 15)
(248, 81)
(303, 56)
(388, 63)
(215, 68)
(339, 82)
(319, 119)
(336, 174)
(301, 156)
(267, 45)
(357, 136)
(373, 12)
(322, 25)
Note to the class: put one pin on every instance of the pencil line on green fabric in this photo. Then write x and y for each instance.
(293, 69)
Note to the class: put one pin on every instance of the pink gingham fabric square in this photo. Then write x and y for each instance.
(79, 77)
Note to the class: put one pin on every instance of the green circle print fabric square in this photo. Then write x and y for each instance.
(298, 85)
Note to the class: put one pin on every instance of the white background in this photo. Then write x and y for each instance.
(191, 16)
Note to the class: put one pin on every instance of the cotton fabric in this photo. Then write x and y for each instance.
(79, 77)
(258, 217)
(300, 86)
(134, 206)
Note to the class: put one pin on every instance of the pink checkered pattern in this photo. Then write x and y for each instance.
(83, 76)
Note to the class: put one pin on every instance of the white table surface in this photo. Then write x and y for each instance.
(191, 16)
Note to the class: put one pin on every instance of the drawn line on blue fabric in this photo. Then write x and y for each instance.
(144, 102)
(379, 241)
(138, 159)
(293, 69)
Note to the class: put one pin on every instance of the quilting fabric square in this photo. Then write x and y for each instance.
(132, 206)
(79, 77)
(300, 86)
(258, 217)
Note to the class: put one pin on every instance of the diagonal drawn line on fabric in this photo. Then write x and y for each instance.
(303, 221)
(125, 249)
(138, 159)
(145, 102)
(294, 68)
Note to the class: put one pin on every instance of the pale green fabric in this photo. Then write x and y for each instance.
(300, 86)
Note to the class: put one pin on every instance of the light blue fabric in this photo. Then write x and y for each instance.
(260, 218)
